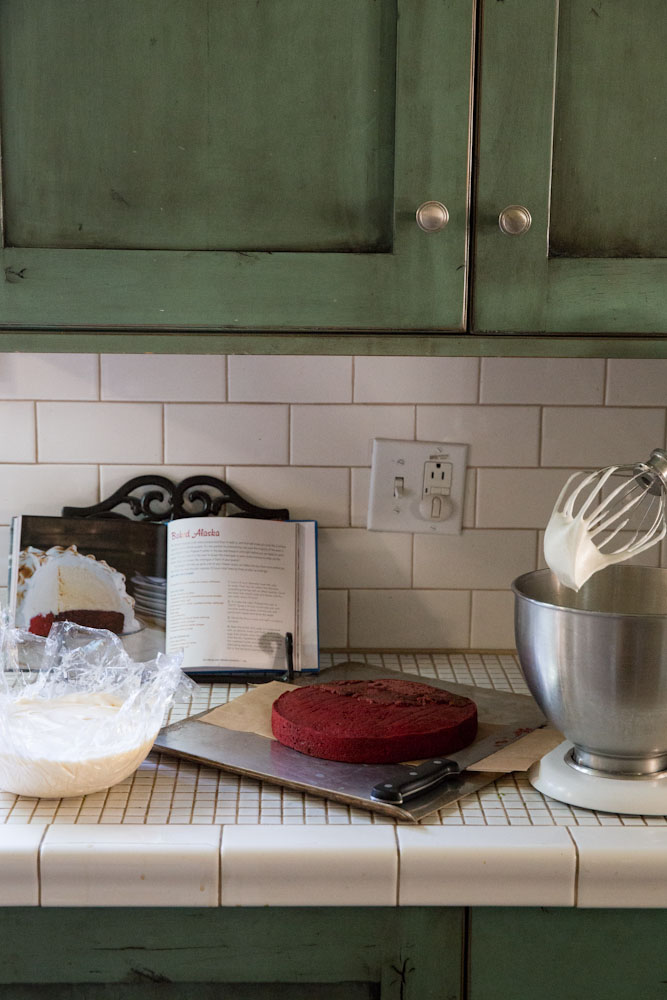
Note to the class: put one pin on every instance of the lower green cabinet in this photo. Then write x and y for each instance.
(349, 953)
(567, 954)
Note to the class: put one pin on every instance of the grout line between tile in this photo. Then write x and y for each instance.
(576, 866)
(39, 864)
(398, 866)
(36, 431)
(222, 831)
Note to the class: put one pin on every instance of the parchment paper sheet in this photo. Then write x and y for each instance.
(251, 713)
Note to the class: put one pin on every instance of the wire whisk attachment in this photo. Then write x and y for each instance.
(584, 531)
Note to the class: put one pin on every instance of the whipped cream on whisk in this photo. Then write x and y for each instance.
(570, 553)
(582, 523)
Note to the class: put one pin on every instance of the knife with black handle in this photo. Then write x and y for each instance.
(408, 782)
(418, 779)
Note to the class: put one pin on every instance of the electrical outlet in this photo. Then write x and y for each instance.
(417, 486)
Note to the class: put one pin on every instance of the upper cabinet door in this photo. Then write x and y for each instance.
(235, 165)
(573, 128)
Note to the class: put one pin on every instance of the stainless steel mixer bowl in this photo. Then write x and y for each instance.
(596, 663)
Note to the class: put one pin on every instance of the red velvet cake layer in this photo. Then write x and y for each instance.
(373, 722)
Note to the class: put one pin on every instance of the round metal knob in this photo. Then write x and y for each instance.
(432, 216)
(514, 220)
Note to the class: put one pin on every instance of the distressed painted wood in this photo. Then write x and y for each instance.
(208, 165)
(443, 345)
(189, 991)
(583, 80)
(384, 953)
(567, 954)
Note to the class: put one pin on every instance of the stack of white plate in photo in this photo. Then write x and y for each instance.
(150, 596)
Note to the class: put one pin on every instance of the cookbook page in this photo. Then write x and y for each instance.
(231, 592)
(106, 573)
(306, 640)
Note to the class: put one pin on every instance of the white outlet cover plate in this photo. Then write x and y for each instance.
(405, 460)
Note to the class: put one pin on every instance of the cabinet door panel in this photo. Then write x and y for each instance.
(573, 127)
(565, 953)
(220, 164)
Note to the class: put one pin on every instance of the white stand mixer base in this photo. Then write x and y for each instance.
(553, 776)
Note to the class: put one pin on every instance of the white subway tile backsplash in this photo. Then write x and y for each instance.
(477, 559)
(163, 377)
(353, 557)
(361, 481)
(291, 379)
(49, 376)
(230, 433)
(322, 495)
(17, 432)
(497, 435)
(416, 380)
(542, 380)
(45, 489)
(332, 617)
(4, 556)
(598, 436)
(469, 499)
(343, 435)
(517, 498)
(633, 382)
(297, 432)
(99, 432)
(409, 619)
(492, 618)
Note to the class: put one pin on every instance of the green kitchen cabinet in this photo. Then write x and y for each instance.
(572, 127)
(521, 953)
(330, 953)
(246, 176)
(226, 165)
(232, 953)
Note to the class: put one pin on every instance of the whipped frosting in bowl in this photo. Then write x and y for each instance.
(42, 759)
(78, 714)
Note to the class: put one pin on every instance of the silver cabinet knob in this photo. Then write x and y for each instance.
(432, 216)
(515, 220)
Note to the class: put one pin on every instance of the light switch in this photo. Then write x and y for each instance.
(417, 486)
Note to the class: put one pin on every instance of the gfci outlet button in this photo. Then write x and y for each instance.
(438, 508)
(417, 486)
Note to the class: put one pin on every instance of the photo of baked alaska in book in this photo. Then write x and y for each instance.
(225, 591)
(63, 584)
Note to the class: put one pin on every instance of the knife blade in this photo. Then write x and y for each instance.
(422, 777)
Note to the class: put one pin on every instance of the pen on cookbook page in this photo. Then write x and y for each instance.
(289, 655)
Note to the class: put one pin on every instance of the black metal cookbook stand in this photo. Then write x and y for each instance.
(162, 500)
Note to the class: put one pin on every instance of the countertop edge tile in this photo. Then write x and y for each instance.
(309, 866)
(486, 866)
(621, 866)
(90, 865)
(19, 865)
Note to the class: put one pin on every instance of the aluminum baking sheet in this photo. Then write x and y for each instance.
(255, 756)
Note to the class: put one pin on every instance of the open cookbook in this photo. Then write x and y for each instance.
(224, 590)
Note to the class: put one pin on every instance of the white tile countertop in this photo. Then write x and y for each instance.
(175, 834)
